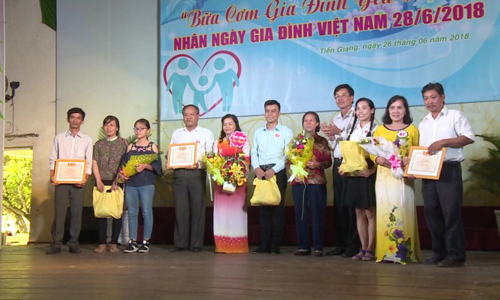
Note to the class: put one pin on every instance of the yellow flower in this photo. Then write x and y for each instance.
(392, 248)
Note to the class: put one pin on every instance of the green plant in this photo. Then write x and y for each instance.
(17, 189)
(485, 172)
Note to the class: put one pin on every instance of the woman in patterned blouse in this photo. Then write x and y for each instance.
(107, 155)
(310, 193)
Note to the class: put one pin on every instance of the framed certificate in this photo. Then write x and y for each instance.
(70, 171)
(181, 155)
(423, 165)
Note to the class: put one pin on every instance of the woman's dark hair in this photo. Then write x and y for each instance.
(386, 119)
(235, 120)
(372, 106)
(109, 119)
(315, 116)
(144, 122)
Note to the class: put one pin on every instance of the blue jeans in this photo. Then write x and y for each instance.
(144, 194)
(309, 198)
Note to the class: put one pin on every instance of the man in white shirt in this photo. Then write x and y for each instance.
(345, 217)
(444, 127)
(190, 184)
(72, 144)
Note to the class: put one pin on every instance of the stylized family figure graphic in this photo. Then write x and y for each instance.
(224, 79)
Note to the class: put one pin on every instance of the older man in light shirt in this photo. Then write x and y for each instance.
(444, 127)
(345, 217)
(72, 144)
(190, 184)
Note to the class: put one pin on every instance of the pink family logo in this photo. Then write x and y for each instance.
(226, 78)
(237, 139)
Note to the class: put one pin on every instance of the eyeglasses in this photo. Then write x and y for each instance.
(139, 129)
(341, 96)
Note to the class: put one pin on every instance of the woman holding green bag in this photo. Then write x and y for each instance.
(140, 166)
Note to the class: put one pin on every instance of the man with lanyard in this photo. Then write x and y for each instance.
(72, 144)
(268, 159)
(345, 217)
(444, 127)
(190, 184)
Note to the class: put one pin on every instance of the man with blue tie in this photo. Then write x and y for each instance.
(268, 160)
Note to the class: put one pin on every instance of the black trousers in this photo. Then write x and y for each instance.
(272, 218)
(345, 216)
(103, 230)
(443, 201)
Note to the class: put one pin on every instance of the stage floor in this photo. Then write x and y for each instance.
(26, 272)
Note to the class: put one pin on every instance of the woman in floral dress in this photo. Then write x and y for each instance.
(397, 229)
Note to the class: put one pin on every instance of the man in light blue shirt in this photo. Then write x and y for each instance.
(268, 160)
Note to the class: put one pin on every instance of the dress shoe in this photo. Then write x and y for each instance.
(434, 260)
(75, 249)
(177, 249)
(260, 250)
(53, 250)
(451, 263)
(350, 252)
(197, 249)
(302, 252)
(335, 251)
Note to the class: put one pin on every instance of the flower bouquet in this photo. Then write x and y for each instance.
(128, 169)
(234, 171)
(230, 172)
(299, 152)
(214, 163)
(394, 152)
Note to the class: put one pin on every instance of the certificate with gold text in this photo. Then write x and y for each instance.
(423, 165)
(181, 155)
(70, 171)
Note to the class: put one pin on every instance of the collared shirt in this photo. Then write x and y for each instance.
(344, 124)
(269, 147)
(67, 146)
(202, 136)
(361, 132)
(449, 123)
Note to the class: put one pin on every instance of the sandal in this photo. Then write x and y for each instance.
(369, 256)
(359, 256)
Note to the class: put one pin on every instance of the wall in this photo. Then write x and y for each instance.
(31, 60)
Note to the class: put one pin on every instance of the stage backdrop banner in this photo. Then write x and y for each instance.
(231, 56)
